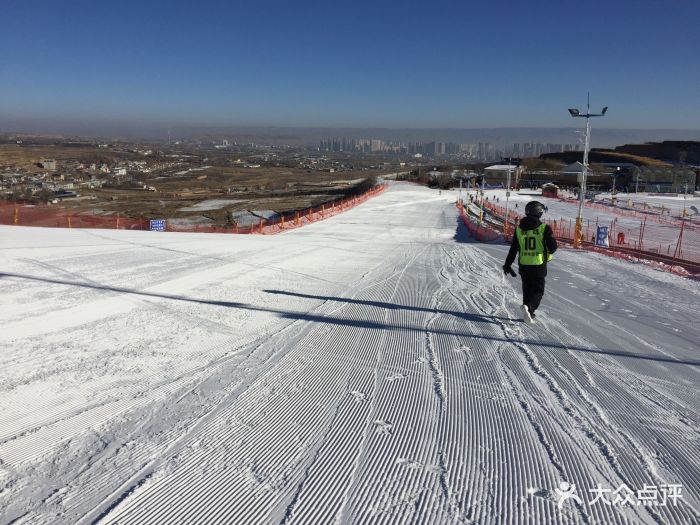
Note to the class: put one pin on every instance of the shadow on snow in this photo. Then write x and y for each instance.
(359, 323)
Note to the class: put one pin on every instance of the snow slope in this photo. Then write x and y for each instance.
(369, 368)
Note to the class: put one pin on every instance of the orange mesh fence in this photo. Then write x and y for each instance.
(641, 212)
(318, 213)
(480, 232)
(672, 247)
(62, 217)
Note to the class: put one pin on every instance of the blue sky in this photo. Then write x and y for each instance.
(358, 64)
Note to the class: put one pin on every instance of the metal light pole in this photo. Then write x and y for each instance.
(481, 212)
(578, 234)
(506, 225)
(612, 195)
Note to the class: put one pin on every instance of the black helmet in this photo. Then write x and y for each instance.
(534, 208)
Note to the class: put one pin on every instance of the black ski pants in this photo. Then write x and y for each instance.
(533, 285)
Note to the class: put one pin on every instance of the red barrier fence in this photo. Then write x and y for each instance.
(480, 232)
(680, 256)
(640, 212)
(61, 217)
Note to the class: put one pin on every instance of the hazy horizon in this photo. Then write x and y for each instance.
(310, 135)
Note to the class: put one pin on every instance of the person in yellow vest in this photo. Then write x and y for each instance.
(534, 243)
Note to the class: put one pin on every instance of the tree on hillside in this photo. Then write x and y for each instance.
(536, 165)
(366, 185)
(533, 164)
(443, 181)
(45, 195)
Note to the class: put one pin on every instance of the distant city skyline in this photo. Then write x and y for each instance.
(481, 151)
(365, 64)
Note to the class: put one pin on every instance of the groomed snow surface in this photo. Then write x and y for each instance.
(369, 368)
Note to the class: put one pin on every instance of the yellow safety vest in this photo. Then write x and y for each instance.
(531, 246)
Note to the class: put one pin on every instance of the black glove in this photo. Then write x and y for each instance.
(509, 271)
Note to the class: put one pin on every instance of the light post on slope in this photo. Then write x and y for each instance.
(578, 234)
(615, 175)
(506, 224)
(481, 211)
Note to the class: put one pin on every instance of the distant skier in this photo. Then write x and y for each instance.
(535, 243)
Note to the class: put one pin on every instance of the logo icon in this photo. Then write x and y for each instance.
(565, 492)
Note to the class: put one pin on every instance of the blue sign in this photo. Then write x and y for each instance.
(601, 237)
(157, 225)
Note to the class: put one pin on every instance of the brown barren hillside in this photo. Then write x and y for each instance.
(601, 156)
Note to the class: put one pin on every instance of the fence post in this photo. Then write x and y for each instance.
(16, 215)
(611, 232)
(678, 251)
(117, 220)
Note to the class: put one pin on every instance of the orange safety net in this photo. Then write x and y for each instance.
(62, 217)
(677, 251)
(480, 232)
(638, 211)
